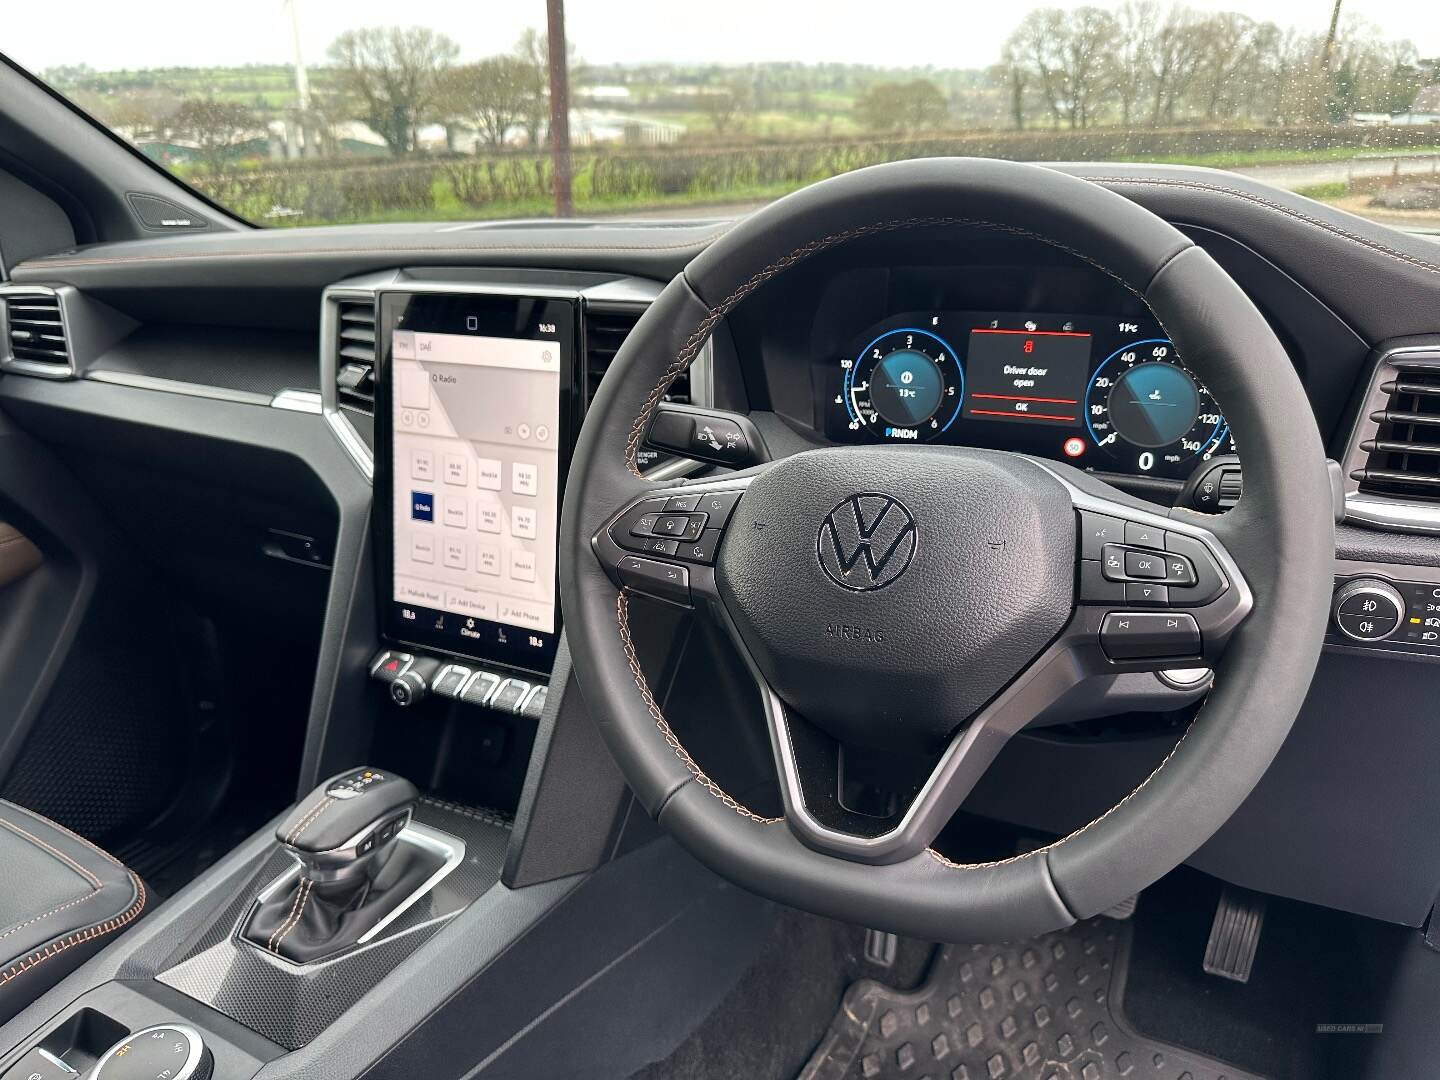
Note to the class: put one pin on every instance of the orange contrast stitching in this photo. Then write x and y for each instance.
(69, 832)
(54, 949)
(86, 874)
(308, 820)
(622, 605)
(302, 900)
(55, 910)
(294, 903)
(943, 861)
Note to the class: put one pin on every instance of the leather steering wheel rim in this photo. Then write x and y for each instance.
(1281, 536)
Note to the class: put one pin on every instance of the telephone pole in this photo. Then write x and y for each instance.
(1332, 106)
(559, 108)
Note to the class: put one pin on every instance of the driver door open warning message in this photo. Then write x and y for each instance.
(1036, 376)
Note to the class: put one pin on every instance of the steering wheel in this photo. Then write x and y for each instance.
(937, 599)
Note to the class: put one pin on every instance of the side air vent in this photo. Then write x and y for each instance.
(1402, 458)
(35, 338)
(605, 331)
(355, 348)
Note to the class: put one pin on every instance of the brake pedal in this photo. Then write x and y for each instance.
(1235, 934)
(881, 948)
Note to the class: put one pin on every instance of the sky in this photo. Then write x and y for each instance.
(110, 34)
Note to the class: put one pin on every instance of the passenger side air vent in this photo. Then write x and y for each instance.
(1403, 458)
(355, 354)
(35, 338)
(605, 331)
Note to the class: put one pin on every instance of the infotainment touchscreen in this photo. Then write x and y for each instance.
(474, 400)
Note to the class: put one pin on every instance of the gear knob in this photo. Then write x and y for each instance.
(348, 825)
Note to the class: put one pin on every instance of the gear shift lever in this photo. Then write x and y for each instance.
(346, 828)
(352, 870)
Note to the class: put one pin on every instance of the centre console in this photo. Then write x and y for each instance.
(464, 875)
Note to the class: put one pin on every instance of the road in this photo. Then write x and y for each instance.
(1309, 174)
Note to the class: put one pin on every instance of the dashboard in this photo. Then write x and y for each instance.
(1100, 391)
(202, 426)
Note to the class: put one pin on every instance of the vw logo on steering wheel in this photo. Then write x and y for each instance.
(867, 542)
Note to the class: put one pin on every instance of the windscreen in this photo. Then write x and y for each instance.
(312, 112)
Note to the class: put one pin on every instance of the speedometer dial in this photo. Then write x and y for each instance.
(907, 385)
(1151, 414)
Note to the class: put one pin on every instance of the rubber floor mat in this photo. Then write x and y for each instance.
(1044, 1009)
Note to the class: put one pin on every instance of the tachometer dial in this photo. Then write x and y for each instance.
(906, 385)
(1151, 414)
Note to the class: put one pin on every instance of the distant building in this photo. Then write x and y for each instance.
(1424, 110)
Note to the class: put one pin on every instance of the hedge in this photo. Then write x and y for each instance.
(340, 190)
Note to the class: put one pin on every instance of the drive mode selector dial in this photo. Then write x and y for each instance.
(1368, 609)
(171, 1051)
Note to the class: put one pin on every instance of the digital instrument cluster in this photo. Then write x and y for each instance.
(1107, 394)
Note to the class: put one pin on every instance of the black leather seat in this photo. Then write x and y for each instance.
(61, 900)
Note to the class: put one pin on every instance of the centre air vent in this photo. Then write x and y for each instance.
(355, 354)
(35, 338)
(1402, 459)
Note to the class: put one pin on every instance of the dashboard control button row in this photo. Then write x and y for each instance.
(1150, 636)
(419, 676)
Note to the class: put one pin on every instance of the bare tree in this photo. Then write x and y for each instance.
(394, 74)
(216, 127)
(1037, 49)
(1068, 55)
(1174, 60)
(1136, 21)
(1228, 43)
(496, 95)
